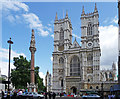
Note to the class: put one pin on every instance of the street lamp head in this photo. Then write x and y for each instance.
(9, 41)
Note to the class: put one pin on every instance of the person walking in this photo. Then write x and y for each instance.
(45, 95)
(49, 95)
(2, 94)
(54, 95)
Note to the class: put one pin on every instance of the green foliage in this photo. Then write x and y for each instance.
(20, 76)
(39, 80)
(2, 79)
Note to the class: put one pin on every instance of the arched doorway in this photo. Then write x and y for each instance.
(74, 90)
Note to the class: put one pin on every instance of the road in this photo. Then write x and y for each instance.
(67, 98)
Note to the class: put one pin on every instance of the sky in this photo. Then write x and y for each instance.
(19, 18)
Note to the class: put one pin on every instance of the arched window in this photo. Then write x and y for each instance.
(90, 57)
(88, 80)
(75, 66)
(89, 29)
(61, 60)
(97, 87)
(90, 87)
(62, 83)
(90, 60)
(61, 34)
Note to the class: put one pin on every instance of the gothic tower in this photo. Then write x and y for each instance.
(62, 33)
(62, 42)
(90, 45)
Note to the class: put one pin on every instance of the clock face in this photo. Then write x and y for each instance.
(89, 44)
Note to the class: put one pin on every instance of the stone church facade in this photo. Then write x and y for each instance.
(77, 68)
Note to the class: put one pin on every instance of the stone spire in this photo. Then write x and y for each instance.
(32, 43)
(113, 66)
(95, 10)
(32, 50)
(32, 87)
(47, 72)
(56, 17)
(75, 38)
(66, 14)
(83, 12)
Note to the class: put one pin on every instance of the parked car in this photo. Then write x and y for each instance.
(27, 95)
(72, 95)
(6, 94)
(36, 95)
(93, 96)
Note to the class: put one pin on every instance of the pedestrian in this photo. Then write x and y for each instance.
(49, 95)
(45, 95)
(60, 94)
(8, 95)
(54, 95)
(2, 94)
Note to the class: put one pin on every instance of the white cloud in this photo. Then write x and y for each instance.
(75, 36)
(49, 25)
(42, 32)
(52, 36)
(51, 58)
(14, 6)
(11, 18)
(42, 76)
(31, 19)
(108, 44)
(49, 29)
(106, 21)
(111, 20)
(4, 56)
(115, 20)
(4, 67)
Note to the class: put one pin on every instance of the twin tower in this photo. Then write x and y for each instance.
(63, 30)
(75, 65)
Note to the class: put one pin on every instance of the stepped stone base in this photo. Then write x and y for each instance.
(32, 87)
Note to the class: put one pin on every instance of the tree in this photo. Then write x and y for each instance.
(20, 75)
(39, 80)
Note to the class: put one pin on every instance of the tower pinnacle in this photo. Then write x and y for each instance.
(113, 66)
(95, 10)
(56, 18)
(66, 14)
(83, 12)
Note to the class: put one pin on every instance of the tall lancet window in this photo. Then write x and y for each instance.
(61, 34)
(61, 61)
(89, 29)
(75, 66)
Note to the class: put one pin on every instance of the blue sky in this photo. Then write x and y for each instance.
(19, 18)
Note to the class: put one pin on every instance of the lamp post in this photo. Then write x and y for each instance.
(10, 42)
